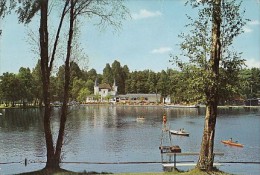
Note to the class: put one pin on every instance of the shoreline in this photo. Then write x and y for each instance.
(137, 105)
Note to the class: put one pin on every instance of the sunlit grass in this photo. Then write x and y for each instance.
(65, 172)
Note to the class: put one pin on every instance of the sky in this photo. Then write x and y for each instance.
(144, 41)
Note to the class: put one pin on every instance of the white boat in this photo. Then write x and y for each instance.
(1, 114)
(181, 132)
(181, 106)
(140, 119)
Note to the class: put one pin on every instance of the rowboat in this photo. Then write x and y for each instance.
(140, 119)
(180, 132)
(231, 143)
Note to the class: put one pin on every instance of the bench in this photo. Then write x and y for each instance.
(174, 164)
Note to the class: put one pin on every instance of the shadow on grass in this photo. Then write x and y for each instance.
(60, 171)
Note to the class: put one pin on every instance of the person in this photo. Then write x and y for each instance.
(164, 118)
(230, 139)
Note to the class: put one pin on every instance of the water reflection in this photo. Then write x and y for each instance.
(112, 134)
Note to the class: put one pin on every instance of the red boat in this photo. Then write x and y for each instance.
(231, 143)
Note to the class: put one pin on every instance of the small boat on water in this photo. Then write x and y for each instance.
(1, 114)
(181, 132)
(181, 106)
(231, 143)
(140, 119)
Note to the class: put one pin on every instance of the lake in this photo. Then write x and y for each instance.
(110, 139)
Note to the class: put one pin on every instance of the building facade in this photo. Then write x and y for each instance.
(103, 92)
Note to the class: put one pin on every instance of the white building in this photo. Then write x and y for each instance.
(103, 91)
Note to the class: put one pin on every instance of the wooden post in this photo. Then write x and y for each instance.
(174, 160)
(25, 161)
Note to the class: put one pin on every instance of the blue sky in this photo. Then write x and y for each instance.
(144, 42)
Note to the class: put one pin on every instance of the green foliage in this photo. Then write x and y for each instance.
(196, 46)
(27, 84)
(108, 75)
(37, 90)
(6, 6)
(119, 75)
(183, 86)
(83, 93)
(10, 87)
(79, 88)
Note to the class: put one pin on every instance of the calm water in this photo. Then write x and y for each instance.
(112, 134)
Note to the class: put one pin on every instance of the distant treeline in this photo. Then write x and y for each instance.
(25, 87)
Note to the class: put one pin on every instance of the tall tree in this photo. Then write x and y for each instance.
(27, 85)
(162, 84)
(10, 87)
(37, 91)
(118, 74)
(108, 75)
(109, 13)
(206, 157)
(208, 48)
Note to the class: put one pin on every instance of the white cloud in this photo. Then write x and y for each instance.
(254, 22)
(253, 63)
(251, 24)
(143, 13)
(247, 29)
(161, 50)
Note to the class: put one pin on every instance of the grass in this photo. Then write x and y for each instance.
(65, 172)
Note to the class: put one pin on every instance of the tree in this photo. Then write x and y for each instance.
(77, 86)
(37, 91)
(109, 13)
(92, 74)
(208, 48)
(75, 71)
(254, 83)
(6, 6)
(108, 75)
(83, 93)
(89, 86)
(119, 76)
(162, 84)
(10, 86)
(59, 83)
(206, 157)
(151, 82)
(27, 85)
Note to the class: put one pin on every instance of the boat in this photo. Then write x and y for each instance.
(181, 132)
(181, 106)
(140, 119)
(231, 143)
(1, 114)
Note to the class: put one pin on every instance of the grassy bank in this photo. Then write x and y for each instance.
(65, 172)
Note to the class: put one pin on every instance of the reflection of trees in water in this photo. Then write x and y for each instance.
(237, 110)
(137, 111)
(181, 112)
(22, 132)
(21, 119)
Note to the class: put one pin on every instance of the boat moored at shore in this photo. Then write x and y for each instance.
(181, 106)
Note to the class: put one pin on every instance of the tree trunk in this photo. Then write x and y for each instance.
(53, 156)
(206, 157)
(46, 83)
(64, 111)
